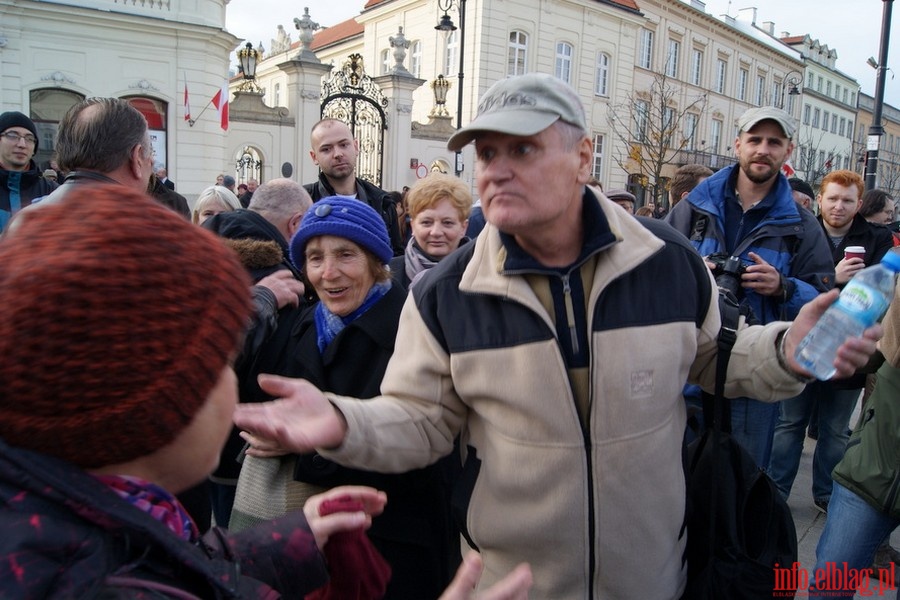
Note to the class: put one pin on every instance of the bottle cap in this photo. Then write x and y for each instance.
(891, 260)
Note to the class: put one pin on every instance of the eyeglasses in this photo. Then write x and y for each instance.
(14, 137)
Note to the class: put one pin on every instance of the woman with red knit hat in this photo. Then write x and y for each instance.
(118, 393)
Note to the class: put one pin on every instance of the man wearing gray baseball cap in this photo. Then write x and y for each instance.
(531, 344)
(748, 210)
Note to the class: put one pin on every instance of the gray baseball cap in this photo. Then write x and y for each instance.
(523, 105)
(750, 118)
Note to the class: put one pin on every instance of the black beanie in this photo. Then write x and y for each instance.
(16, 119)
(798, 185)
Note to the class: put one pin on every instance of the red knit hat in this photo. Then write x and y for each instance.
(116, 319)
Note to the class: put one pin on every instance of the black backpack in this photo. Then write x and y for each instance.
(740, 529)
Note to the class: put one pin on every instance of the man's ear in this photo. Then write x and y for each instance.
(134, 161)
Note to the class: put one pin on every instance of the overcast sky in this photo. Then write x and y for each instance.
(853, 27)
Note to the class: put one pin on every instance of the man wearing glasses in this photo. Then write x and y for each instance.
(20, 179)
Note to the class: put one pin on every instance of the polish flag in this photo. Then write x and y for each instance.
(787, 169)
(220, 101)
(187, 103)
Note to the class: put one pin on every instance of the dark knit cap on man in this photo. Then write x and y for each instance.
(14, 118)
(118, 319)
(345, 218)
(798, 185)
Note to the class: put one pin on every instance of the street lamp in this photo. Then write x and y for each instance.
(249, 57)
(876, 131)
(446, 26)
(792, 81)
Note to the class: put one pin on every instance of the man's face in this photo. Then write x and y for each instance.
(802, 199)
(334, 150)
(252, 185)
(838, 204)
(529, 184)
(16, 155)
(762, 151)
(628, 205)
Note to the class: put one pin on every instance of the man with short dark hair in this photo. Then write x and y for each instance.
(532, 343)
(686, 178)
(21, 181)
(747, 210)
(335, 150)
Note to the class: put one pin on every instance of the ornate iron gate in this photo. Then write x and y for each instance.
(351, 96)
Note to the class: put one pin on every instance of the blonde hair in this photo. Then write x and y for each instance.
(428, 192)
(215, 193)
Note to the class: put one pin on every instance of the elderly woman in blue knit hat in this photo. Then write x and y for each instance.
(343, 345)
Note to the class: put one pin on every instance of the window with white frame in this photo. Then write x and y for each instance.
(777, 91)
(415, 58)
(828, 89)
(277, 95)
(690, 130)
(645, 54)
(743, 77)
(825, 116)
(760, 89)
(672, 58)
(564, 53)
(602, 84)
(385, 61)
(807, 111)
(850, 129)
(819, 83)
(843, 128)
(834, 123)
(791, 98)
(518, 51)
(802, 163)
(641, 115)
(451, 56)
(715, 136)
(817, 115)
(721, 74)
(668, 125)
(696, 66)
(846, 91)
(597, 168)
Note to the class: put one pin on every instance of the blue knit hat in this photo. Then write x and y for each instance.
(346, 218)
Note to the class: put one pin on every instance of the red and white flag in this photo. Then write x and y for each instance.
(220, 101)
(787, 169)
(187, 103)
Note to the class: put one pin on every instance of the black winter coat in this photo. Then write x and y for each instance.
(413, 533)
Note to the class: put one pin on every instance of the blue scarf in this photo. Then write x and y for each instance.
(329, 325)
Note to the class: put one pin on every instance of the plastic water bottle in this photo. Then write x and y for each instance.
(862, 302)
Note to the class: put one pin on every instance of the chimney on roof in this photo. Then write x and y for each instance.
(747, 15)
(699, 5)
(785, 34)
(769, 27)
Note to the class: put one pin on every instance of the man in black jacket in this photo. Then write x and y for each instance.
(840, 197)
(20, 179)
(334, 151)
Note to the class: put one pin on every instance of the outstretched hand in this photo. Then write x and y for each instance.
(323, 527)
(853, 354)
(514, 586)
(301, 420)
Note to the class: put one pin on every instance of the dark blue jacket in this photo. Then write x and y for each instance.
(786, 237)
(19, 188)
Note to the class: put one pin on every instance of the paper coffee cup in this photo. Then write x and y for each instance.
(854, 252)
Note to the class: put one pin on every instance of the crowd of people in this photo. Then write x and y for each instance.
(458, 392)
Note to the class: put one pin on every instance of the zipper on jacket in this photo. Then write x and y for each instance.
(592, 526)
(570, 312)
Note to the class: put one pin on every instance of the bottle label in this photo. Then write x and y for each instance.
(863, 302)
